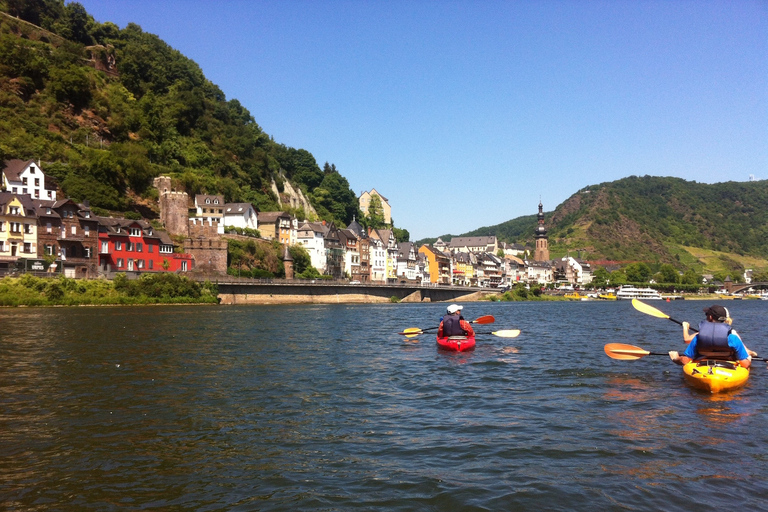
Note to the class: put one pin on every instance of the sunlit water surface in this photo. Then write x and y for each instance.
(327, 408)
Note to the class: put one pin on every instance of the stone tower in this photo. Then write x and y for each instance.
(288, 263)
(174, 207)
(541, 253)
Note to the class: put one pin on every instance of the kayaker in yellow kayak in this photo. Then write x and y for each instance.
(715, 339)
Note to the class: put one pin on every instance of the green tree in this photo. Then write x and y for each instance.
(668, 274)
(600, 277)
(637, 272)
(690, 276)
(375, 216)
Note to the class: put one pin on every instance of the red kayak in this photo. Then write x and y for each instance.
(456, 343)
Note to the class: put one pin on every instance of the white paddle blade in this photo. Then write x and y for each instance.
(508, 333)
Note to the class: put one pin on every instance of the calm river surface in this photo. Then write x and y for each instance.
(327, 408)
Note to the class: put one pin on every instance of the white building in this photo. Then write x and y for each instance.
(240, 215)
(26, 177)
(378, 261)
(311, 235)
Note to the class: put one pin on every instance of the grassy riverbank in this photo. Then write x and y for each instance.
(61, 291)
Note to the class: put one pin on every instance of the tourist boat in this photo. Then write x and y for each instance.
(714, 375)
(630, 292)
(607, 296)
(456, 343)
(573, 296)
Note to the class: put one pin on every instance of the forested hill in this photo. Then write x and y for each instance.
(106, 110)
(650, 219)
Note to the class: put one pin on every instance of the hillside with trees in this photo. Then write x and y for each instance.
(656, 221)
(106, 110)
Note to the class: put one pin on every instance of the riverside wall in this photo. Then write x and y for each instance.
(271, 293)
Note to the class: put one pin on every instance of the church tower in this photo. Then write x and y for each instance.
(541, 253)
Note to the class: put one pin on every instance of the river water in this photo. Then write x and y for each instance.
(325, 407)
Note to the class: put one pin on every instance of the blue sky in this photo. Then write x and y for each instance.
(465, 114)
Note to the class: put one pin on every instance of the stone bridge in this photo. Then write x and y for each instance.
(254, 291)
(732, 287)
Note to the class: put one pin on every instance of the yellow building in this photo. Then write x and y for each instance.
(439, 265)
(365, 202)
(18, 228)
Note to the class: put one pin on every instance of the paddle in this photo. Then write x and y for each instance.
(650, 310)
(415, 331)
(630, 352)
(506, 333)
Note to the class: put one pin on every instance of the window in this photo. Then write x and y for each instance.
(15, 190)
(50, 195)
(150, 248)
(87, 230)
(105, 247)
(184, 266)
(27, 247)
(15, 227)
(2, 227)
(87, 252)
(14, 210)
(32, 169)
(37, 194)
(138, 247)
(120, 263)
(37, 182)
(49, 249)
(150, 262)
(74, 230)
(135, 232)
(140, 264)
(28, 229)
(129, 247)
(24, 181)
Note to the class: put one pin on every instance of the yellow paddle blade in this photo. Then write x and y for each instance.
(411, 332)
(507, 333)
(648, 310)
(624, 352)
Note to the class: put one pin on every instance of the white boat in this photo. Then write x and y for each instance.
(630, 292)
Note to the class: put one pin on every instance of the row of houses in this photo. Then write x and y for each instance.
(66, 237)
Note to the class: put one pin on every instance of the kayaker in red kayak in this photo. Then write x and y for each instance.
(453, 324)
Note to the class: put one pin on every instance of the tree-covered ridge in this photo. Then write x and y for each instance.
(106, 110)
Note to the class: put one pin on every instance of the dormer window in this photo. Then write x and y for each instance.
(32, 169)
(215, 201)
(207, 201)
(48, 211)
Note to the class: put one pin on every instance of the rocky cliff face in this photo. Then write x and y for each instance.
(293, 197)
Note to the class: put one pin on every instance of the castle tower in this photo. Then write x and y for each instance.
(541, 253)
(174, 207)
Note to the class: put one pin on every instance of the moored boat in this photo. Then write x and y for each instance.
(630, 292)
(456, 343)
(715, 376)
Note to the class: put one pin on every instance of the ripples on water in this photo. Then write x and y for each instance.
(325, 407)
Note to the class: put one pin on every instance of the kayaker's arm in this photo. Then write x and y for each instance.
(687, 336)
(678, 359)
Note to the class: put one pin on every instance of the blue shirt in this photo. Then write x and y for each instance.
(733, 341)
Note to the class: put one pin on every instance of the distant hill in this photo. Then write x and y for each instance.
(106, 110)
(653, 219)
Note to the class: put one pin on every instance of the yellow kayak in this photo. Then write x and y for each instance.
(715, 376)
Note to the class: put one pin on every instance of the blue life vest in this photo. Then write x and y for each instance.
(713, 340)
(451, 326)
